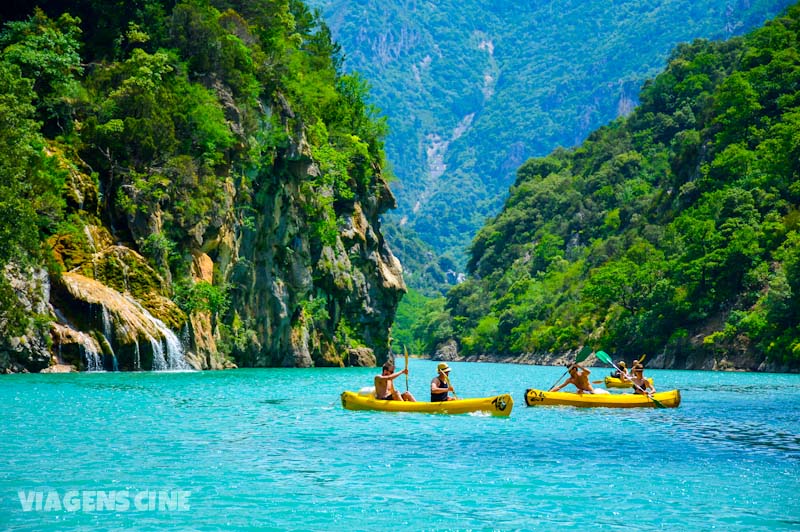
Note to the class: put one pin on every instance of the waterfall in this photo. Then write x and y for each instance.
(90, 238)
(107, 330)
(159, 362)
(125, 273)
(173, 357)
(186, 337)
(125, 321)
(94, 362)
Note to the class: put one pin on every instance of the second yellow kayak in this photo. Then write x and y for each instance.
(670, 399)
(613, 382)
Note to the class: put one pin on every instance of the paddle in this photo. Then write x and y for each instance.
(447, 380)
(405, 350)
(580, 357)
(602, 381)
(603, 357)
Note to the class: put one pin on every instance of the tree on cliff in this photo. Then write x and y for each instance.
(172, 129)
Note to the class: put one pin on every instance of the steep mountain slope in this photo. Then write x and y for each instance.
(187, 184)
(673, 231)
(473, 88)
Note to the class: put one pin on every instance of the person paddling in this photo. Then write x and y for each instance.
(384, 384)
(440, 385)
(641, 385)
(579, 377)
(622, 372)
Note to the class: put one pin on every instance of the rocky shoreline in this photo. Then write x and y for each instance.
(695, 360)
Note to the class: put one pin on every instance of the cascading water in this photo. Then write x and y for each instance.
(170, 359)
(94, 362)
(175, 357)
(107, 333)
(123, 322)
(186, 338)
(107, 329)
(159, 361)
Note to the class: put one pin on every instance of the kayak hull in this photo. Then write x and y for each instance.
(670, 399)
(499, 405)
(613, 382)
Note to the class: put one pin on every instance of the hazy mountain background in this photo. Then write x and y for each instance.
(474, 88)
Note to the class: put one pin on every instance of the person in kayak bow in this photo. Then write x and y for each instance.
(579, 377)
(440, 385)
(622, 372)
(384, 384)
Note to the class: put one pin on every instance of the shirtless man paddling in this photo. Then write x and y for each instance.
(384, 384)
(579, 376)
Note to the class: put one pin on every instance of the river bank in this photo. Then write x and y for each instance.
(688, 360)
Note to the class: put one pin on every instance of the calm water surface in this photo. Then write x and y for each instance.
(273, 449)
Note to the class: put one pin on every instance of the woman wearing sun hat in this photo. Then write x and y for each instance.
(440, 385)
(622, 372)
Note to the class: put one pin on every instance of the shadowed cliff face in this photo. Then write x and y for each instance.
(295, 300)
(306, 302)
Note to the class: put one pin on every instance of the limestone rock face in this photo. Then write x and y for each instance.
(306, 276)
(361, 356)
(448, 351)
(119, 327)
(303, 300)
(29, 351)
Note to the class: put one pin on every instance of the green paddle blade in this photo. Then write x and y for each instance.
(602, 356)
(584, 354)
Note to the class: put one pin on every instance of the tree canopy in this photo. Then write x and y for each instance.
(673, 228)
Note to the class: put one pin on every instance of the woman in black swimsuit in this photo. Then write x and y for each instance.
(440, 386)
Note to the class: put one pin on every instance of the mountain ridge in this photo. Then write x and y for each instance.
(432, 65)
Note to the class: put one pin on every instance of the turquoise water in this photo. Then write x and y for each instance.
(273, 449)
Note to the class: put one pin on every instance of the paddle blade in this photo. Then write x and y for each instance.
(583, 354)
(602, 356)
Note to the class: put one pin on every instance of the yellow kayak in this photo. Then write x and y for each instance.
(613, 382)
(670, 399)
(499, 405)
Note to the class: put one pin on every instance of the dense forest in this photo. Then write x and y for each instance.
(473, 88)
(201, 166)
(674, 231)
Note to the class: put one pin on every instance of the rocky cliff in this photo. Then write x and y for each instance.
(205, 214)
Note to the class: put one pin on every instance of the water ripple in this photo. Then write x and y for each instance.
(256, 453)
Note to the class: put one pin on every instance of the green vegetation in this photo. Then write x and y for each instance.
(183, 114)
(482, 86)
(676, 224)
